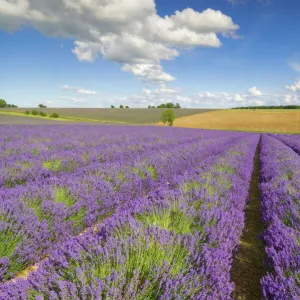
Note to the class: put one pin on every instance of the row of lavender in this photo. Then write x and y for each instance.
(280, 176)
(35, 217)
(172, 241)
(45, 153)
(293, 141)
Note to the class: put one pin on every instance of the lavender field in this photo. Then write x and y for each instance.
(115, 212)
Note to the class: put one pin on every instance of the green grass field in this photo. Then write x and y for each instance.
(132, 115)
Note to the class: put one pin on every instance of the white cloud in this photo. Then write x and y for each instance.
(149, 72)
(238, 98)
(76, 100)
(67, 87)
(129, 32)
(254, 91)
(291, 99)
(86, 92)
(294, 87)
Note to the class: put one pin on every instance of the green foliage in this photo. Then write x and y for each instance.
(43, 114)
(62, 195)
(34, 112)
(121, 106)
(8, 105)
(77, 218)
(126, 106)
(2, 103)
(168, 116)
(112, 106)
(171, 219)
(52, 165)
(169, 105)
(27, 112)
(42, 106)
(54, 115)
(270, 107)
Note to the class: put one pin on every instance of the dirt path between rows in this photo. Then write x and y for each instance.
(248, 267)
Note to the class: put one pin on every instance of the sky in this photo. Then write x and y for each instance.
(199, 53)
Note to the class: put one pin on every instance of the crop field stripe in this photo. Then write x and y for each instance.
(236, 140)
(289, 141)
(248, 266)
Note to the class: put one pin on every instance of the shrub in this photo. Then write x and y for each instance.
(168, 116)
(27, 112)
(41, 113)
(35, 112)
(2, 103)
(54, 115)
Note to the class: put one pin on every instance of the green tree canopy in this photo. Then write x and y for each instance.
(112, 106)
(121, 106)
(168, 116)
(2, 103)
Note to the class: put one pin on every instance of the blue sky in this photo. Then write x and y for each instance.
(215, 53)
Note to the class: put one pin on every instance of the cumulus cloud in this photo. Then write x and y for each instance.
(254, 91)
(291, 99)
(294, 87)
(129, 32)
(149, 72)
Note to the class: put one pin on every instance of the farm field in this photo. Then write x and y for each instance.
(132, 115)
(123, 212)
(281, 121)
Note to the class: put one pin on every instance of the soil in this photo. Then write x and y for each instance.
(248, 267)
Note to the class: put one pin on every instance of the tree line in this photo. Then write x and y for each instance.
(270, 107)
(166, 105)
(3, 104)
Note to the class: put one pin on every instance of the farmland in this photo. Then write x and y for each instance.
(132, 115)
(123, 212)
(281, 121)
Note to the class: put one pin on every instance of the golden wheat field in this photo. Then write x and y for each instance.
(287, 121)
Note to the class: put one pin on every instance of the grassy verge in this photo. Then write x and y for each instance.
(61, 118)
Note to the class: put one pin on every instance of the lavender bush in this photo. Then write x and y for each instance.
(280, 178)
(169, 213)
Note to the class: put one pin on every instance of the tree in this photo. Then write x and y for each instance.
(168, 116)
(170, 105)
(2, 103)
(121, 106)
(149, 106)
(126, 106)
(42, 106)
(112, 106)
(8, 105)
(177, 105)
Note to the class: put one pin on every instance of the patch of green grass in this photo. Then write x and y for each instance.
(25, 165)
(152, 171)
(62, 195)
(9, 241)
(224, 168)
(77, 218)
(171, 219)
(53, 165)
(36, 206)
(32, 294)
(35, 151)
